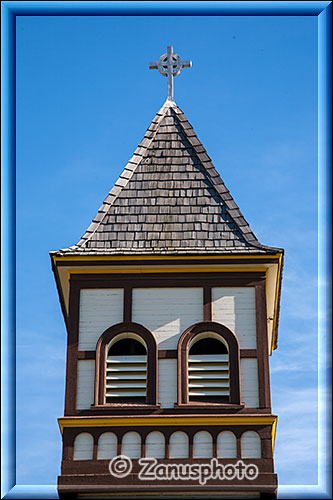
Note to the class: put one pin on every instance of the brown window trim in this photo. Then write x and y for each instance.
(101, 354)
(183, 344)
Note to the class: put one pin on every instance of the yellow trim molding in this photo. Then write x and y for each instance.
(160, 257)
(93, 421)
(277, 293)
(273, 434)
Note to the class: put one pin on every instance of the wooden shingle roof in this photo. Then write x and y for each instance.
(169, 199)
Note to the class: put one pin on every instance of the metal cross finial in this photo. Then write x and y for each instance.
(170, 65)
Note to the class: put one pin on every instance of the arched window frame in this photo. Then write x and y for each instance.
(101, 355)
(227, 337)
(88, 446)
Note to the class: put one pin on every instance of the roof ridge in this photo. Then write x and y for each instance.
(216, 180)
(126, 174)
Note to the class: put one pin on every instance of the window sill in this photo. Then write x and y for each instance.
(194, 405)
(127, 406)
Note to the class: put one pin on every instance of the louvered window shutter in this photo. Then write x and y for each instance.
(126, 373)
(208, 373)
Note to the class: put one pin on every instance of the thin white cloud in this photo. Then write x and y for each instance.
(296, 452)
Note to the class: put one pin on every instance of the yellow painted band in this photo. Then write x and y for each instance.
(273, 434)
(163, 421)
(161, 257)
(278, 285)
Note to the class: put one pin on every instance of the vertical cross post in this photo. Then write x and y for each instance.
(170, 75)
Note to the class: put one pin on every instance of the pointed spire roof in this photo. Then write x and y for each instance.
(169, 199)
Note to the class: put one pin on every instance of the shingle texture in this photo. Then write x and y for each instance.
(169, 199)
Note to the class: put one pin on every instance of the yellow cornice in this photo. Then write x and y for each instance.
(277, 294)
(158, 257)
(93, 421)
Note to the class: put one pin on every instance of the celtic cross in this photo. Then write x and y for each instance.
(170, 65)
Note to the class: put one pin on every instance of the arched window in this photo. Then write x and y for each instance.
(131, 445)
(155, 445)
(250, 445)
(107, 446)
(208, 368)
(179, 445)
(226, 445)
(203, 445)
(83, 446)
(126, 366)
(208, 365)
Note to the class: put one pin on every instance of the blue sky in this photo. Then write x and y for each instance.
(85, 97)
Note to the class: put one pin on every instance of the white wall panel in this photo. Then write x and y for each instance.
(202, 445)
(131, 445)
(155, 445)
(85, 384)
(167, 382)
(251, 445)
(99, 309)
(107, 446)
(249, 382)
(179, 445)
(167, 311)
(235, 308)
(83, 446)
(226, 445)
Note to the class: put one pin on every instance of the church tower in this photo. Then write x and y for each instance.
(171, 306)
